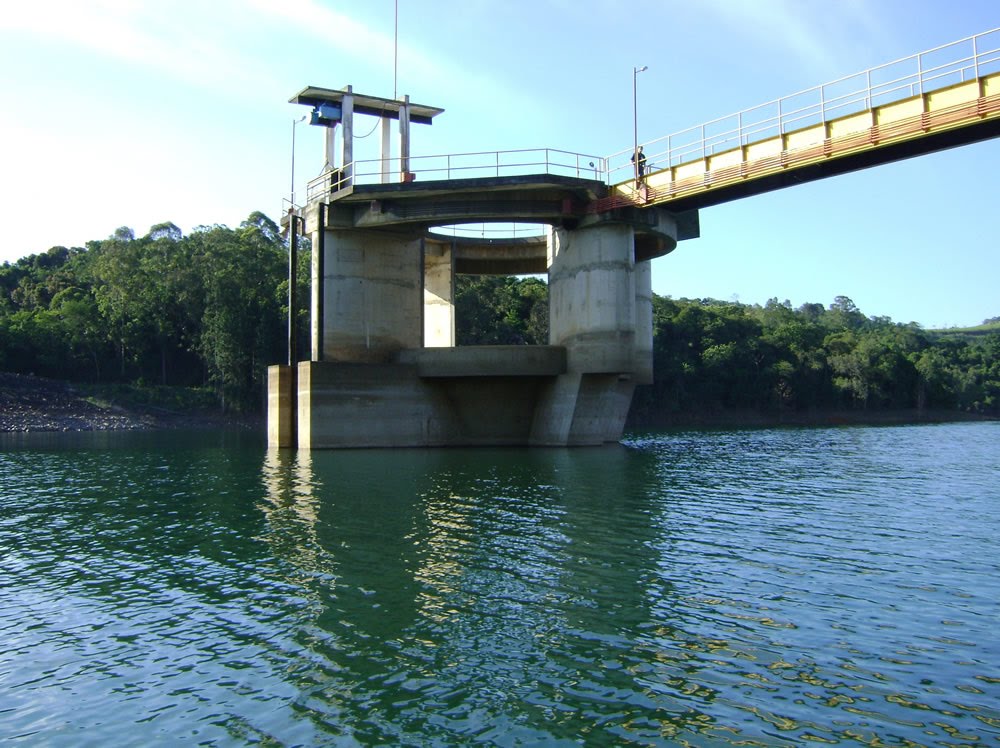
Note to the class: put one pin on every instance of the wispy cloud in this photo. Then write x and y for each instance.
(183, 40)
(819, 35)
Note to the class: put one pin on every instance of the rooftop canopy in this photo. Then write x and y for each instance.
(374, 105)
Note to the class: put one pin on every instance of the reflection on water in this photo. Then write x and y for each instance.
(769, 587)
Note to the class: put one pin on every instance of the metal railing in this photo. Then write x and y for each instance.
(950, 64)
(453, 166)
(934, 69)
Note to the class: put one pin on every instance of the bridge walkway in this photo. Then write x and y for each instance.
(937, 99)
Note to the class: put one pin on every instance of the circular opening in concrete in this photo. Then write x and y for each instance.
(491, 231)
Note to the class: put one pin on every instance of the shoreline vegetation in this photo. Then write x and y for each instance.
(171, 330)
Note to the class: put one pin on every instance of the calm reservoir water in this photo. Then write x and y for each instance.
(709, 588)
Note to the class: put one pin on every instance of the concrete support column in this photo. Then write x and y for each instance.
(439, 297)
(347, 118)
(404, 140)
(592, 313)
(281, 407)
(386, 155)
(330, 148)
(315, 219)
(643, 323)
(371, 295)
(592, 297)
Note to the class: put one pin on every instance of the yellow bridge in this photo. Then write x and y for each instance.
(945, 97)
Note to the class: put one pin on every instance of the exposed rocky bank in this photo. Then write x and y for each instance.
(36, 404)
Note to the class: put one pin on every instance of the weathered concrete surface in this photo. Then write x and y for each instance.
(488, 361)
(592, 297)
(643, 371)
(372, 287)
(439, 296)
(391, 405)
(281, 404)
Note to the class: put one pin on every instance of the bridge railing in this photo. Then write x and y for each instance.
(934, 69)
(454, 166)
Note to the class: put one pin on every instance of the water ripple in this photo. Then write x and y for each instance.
(771, 587)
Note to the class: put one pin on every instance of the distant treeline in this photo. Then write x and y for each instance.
(713, 357)
(209, 310)
(203, 310)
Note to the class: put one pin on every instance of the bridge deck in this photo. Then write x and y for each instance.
(943, 118)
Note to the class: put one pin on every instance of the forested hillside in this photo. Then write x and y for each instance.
(209, 310)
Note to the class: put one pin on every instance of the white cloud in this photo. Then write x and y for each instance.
(183, 40)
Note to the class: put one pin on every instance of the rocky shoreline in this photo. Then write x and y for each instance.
(32, 404)
(29, 404)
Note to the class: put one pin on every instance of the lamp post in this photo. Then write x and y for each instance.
(293, 262)
(295, 122)
(635, 123)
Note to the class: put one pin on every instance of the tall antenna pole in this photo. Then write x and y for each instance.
(395, 52)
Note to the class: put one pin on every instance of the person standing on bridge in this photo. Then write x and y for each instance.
(639, 161)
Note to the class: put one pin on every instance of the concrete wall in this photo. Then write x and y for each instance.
(643, 371)
(592, 297)
(281, 403)
(372, 295)
(391, 405)
(439, 296)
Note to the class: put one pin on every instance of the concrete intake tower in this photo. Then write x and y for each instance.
(384, 370)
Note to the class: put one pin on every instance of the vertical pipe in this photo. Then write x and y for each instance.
(395, 51)
(635, 129)
(292, 199)
(347, 142)
(386, 125)
(293, 239)
(404, 140)
(293, 351)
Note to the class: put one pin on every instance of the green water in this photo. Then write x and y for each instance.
(758, 587)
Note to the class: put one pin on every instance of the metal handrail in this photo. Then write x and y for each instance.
(771, 119)
(788, 113)
(462, 165)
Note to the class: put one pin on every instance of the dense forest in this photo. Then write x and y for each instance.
(204, 310)
(209, 310)
(714, 357)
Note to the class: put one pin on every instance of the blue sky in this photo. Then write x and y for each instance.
(134, 112)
